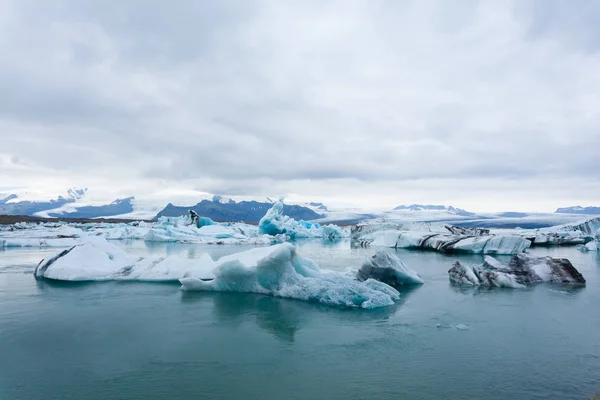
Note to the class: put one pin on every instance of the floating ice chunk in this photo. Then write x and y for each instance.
(388, 268)
(279, 271)
(181, 229)
(275, 222)
(39, 235)
(590, 246)
(578, 233)
(442, 238)
(522, 270)
(126, 232)
(24, 242)
(99, 260)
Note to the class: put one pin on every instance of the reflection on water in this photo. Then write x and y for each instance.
(282, 317)
(132, 340)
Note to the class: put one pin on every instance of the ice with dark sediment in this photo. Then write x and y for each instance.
(521, 271)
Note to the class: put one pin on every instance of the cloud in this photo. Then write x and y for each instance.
(329, 99)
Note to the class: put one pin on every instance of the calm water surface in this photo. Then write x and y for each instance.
(152, 341)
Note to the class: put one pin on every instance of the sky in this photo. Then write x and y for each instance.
(486, 105)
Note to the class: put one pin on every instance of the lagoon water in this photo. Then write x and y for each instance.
(152, 341)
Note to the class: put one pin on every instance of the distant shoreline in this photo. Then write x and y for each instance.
(13, 219)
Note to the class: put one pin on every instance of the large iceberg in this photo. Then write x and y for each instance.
(438, 237)
(276, 270)
(578, 233)
(388, 268)
(274, 228)
(279, 271)
(38, 235)
(275, 223)
(196, 230)
(522, 270)
(99, 260)
(590, 246)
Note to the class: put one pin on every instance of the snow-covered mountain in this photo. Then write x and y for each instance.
(222, 209)
(578, 210)
(433, 207)
(30, 203)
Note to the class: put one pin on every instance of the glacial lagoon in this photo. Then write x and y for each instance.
(133, 340)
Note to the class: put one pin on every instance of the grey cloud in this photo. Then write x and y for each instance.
(251, 97)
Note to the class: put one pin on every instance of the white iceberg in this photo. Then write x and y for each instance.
(39, 235)
(279, 271)
(186, 230)
(522, 270)
(133, 230)
(578, 233)
(275, 270)
(388, 268)
(442, 238)
(98, 260)
(590, 246)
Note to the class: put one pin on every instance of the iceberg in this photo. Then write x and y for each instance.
(578, 233)
(521, 271)
(279, 271)
(200, 221)
(275, 223)
(388, 268)
(442, 238)
(590, 246)
(276, 270)
(99, 260)
(38, 235)
(185, 230)
(133, 230)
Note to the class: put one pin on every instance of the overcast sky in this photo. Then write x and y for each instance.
(486, 105)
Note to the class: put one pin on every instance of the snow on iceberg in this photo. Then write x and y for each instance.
(442, 238)
(132, 230)
(522, 270)
(98, 260)
(590, 246)
(578, 233)
(388, 268)
(275, 270)
(279, 271)
(275, 222)
(185, 229)
(39, 235)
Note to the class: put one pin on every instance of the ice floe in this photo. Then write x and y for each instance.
(388, 268)
(438, 237)
(590, 246)
(521, 271)
(99, 260)
(577, 233)
(275, 222)
(279, 271)
(276, 270)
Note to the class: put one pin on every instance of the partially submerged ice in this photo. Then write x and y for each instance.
(276, 270)
(388, 268)
(275, 223)
(579, 233)
(99, 260)
(521, 271)
(36, 235)
(437, 237)
(590, 246)
(274, 227)
(279, 271)
(195, 229)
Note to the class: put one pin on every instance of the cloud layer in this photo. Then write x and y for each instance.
(487, 105)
